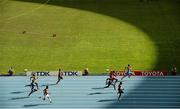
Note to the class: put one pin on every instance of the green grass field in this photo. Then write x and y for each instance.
(97, 34)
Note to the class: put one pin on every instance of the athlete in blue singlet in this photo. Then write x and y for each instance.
(128, 72)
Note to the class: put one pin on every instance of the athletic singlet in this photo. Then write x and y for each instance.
(119, 88)
(59, 74)
(129, 69)
(113, 76)
(45, 91)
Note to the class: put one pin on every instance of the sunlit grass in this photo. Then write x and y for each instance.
(84, 39)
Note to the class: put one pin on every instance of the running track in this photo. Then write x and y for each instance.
(88, 92)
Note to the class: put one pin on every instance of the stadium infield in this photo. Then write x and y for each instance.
(87, 92)
(97, 34)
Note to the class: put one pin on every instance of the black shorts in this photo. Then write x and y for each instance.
(121, 91)
(59, 78)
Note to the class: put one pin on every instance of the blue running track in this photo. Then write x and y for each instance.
(88, 92)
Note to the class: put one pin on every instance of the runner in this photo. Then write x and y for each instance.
(60, 73)
(111, 80)
(46, 94)
(174, 70)
(120, 90)
(128, 72)
(33, 89)
(34, 78)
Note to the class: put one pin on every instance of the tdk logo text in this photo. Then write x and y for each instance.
(40, 73)
(54, 73)
(70, 73)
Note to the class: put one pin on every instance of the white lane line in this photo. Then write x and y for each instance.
(25, 13)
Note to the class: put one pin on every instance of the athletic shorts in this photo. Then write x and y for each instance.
(120, 91)
(47, 96)
(129, 73)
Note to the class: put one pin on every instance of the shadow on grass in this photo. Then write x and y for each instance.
(159, 20)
